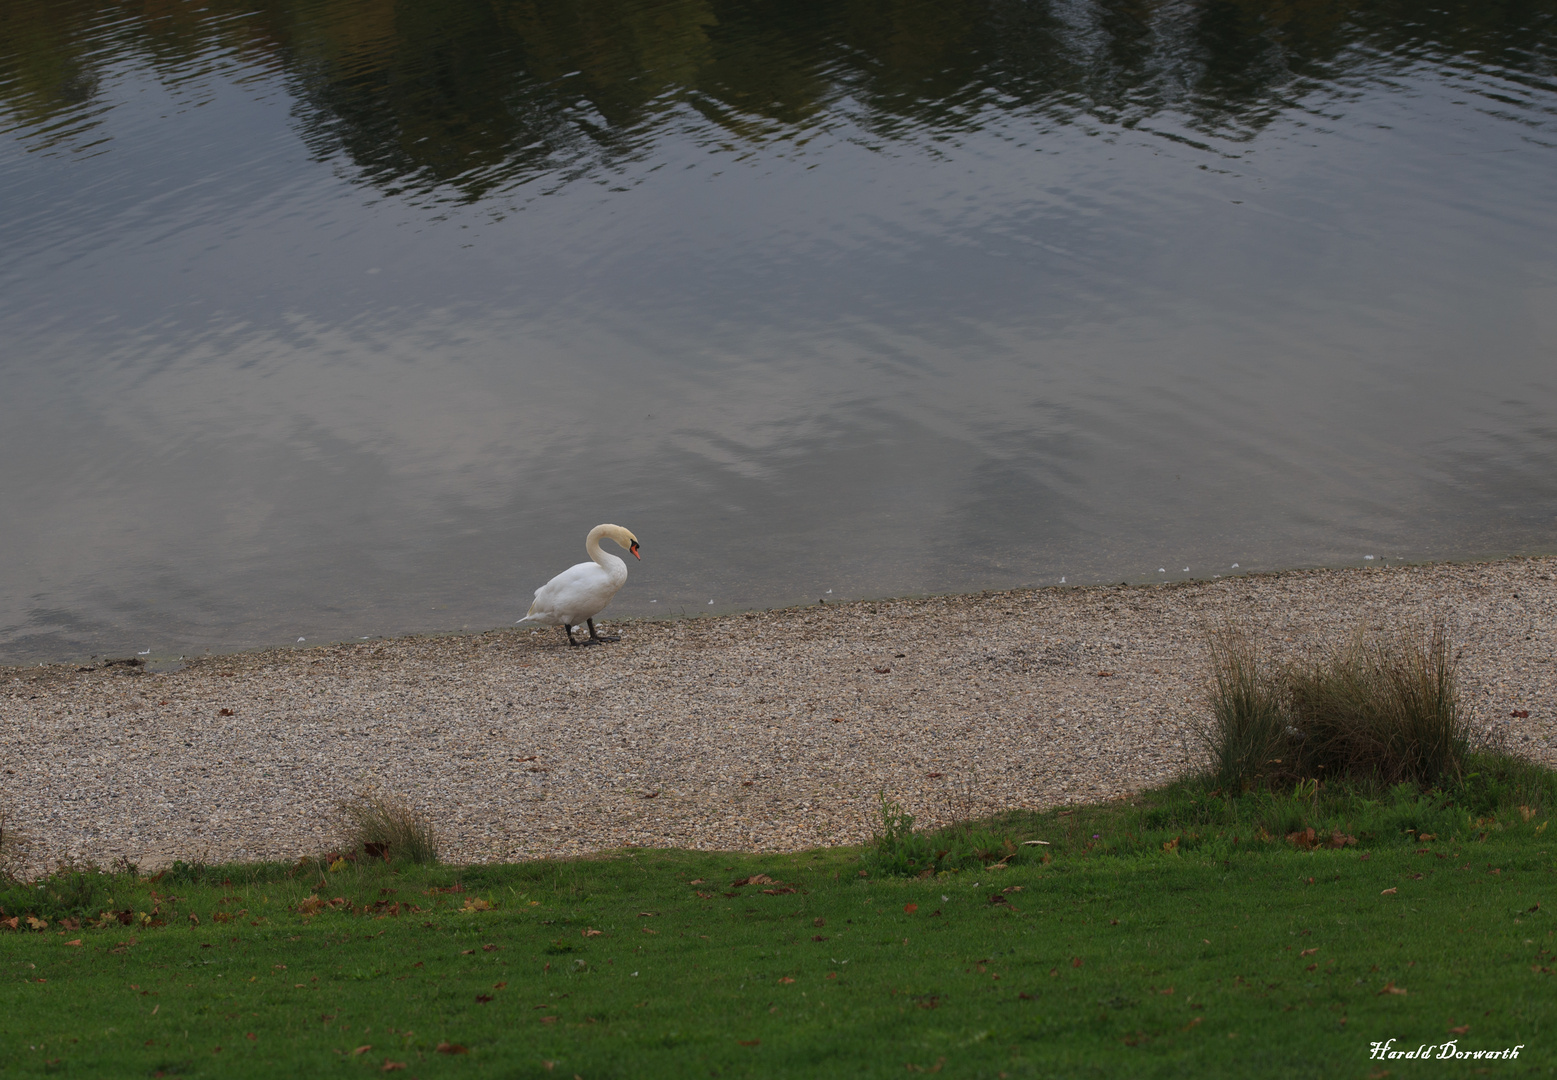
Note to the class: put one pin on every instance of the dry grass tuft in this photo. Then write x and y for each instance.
(1379, 711)
(388, 826)
(1386, 708)
(14, 846)
(1247, 737)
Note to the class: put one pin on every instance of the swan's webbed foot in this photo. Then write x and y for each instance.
(568, 630)
(593, 636)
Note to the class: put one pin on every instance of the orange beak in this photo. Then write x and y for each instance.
(634, 550)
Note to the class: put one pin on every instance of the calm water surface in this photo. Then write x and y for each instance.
(332, 318)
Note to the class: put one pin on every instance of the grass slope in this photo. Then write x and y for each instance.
(1119, 957)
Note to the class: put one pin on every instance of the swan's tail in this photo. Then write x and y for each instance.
(532, 615)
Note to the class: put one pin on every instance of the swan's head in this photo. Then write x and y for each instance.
(624, 538)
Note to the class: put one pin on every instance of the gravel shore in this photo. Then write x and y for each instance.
(759, 731)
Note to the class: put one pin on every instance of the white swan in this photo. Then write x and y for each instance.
(581, 592)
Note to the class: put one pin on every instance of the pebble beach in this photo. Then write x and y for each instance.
(759, 731)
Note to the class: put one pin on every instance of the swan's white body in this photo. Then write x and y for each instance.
(581, 592)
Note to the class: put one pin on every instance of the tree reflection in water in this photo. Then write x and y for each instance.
(460, 99)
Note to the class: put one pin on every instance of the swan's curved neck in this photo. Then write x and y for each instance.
(592, 545)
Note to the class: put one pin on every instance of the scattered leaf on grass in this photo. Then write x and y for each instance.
(483, 998)
(750, 1042)
(910, 908)
(391, 1066)
(1461, 1030)
(591, 932)
(1391, 988)
(450, 1048)
(1075, 961)
(1388, 892)
(1193, 1023)
(1309, 952)
(362, 1049)
(786, 979)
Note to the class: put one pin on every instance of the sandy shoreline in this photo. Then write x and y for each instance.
(765, 730)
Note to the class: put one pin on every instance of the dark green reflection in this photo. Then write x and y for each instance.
(456, 98)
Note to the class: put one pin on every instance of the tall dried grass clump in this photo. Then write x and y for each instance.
(1247, 737)
(1379, 710)
(388, 825)
(1385, 708)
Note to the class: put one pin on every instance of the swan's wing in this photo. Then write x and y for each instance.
(574, 595)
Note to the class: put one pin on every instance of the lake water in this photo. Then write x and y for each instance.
(333, 318)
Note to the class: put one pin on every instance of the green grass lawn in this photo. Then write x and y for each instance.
(1213, 957)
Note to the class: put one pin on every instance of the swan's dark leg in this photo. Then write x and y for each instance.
(568, 630)
(599, 637)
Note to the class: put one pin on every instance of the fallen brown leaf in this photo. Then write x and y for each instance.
(362, 1049)
(450, 1048)
(1391, 988)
